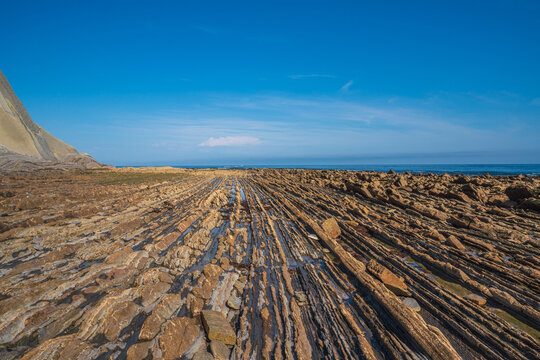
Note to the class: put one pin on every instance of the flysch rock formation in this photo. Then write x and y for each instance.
(24, 145)
(268, 264)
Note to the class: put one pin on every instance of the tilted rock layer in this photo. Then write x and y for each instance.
(268, 264)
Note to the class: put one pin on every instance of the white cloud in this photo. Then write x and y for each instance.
(306, 76)
(275, 124)
(346, 87)
(230, 141)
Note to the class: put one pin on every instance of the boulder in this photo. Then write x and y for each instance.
(331, 228)
(462, 179)
(224, 263)
(120, 318)
(168, 306)
(204, 288)
(194, 305)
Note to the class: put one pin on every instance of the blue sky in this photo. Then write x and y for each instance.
(284, 82)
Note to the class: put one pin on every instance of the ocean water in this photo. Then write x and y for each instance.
(467, 169)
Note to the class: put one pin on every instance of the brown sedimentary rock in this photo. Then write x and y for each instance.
(178, 335)
(93, 270)
(217, 327)
(453, 241)
(331, 227)
(391, 281)
(139, 351)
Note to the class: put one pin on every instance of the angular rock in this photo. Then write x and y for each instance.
(151, 292)
(474, 192)
(139, 351)
(454, 242)
(217, 327)
(119, 319)
(224, 263)
(151, 327)
(178, 335)
(219, 350)
(195, 305)
(234, 302)
(168, 306)
(202, 355)
(212, 272)
(204, 288)
(391, 281)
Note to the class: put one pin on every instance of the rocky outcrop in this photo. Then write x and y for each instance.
(25, 146)
(267, 264)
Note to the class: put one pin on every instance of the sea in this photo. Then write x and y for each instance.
(466, 169)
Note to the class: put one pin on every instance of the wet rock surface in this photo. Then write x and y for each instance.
(271, 264)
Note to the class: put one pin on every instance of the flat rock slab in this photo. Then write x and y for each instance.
(217, 327)
(178, 335)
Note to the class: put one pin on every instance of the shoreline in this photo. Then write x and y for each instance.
(438, 169)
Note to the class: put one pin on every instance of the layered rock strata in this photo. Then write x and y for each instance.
(271, 264)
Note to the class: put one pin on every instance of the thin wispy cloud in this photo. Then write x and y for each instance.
(232, 126)
(347, 86)
(230, 141)
(308, 76)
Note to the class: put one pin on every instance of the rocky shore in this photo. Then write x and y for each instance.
(268, 264)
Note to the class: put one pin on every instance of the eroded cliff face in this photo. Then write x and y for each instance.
(20, 134)
(25, 145)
